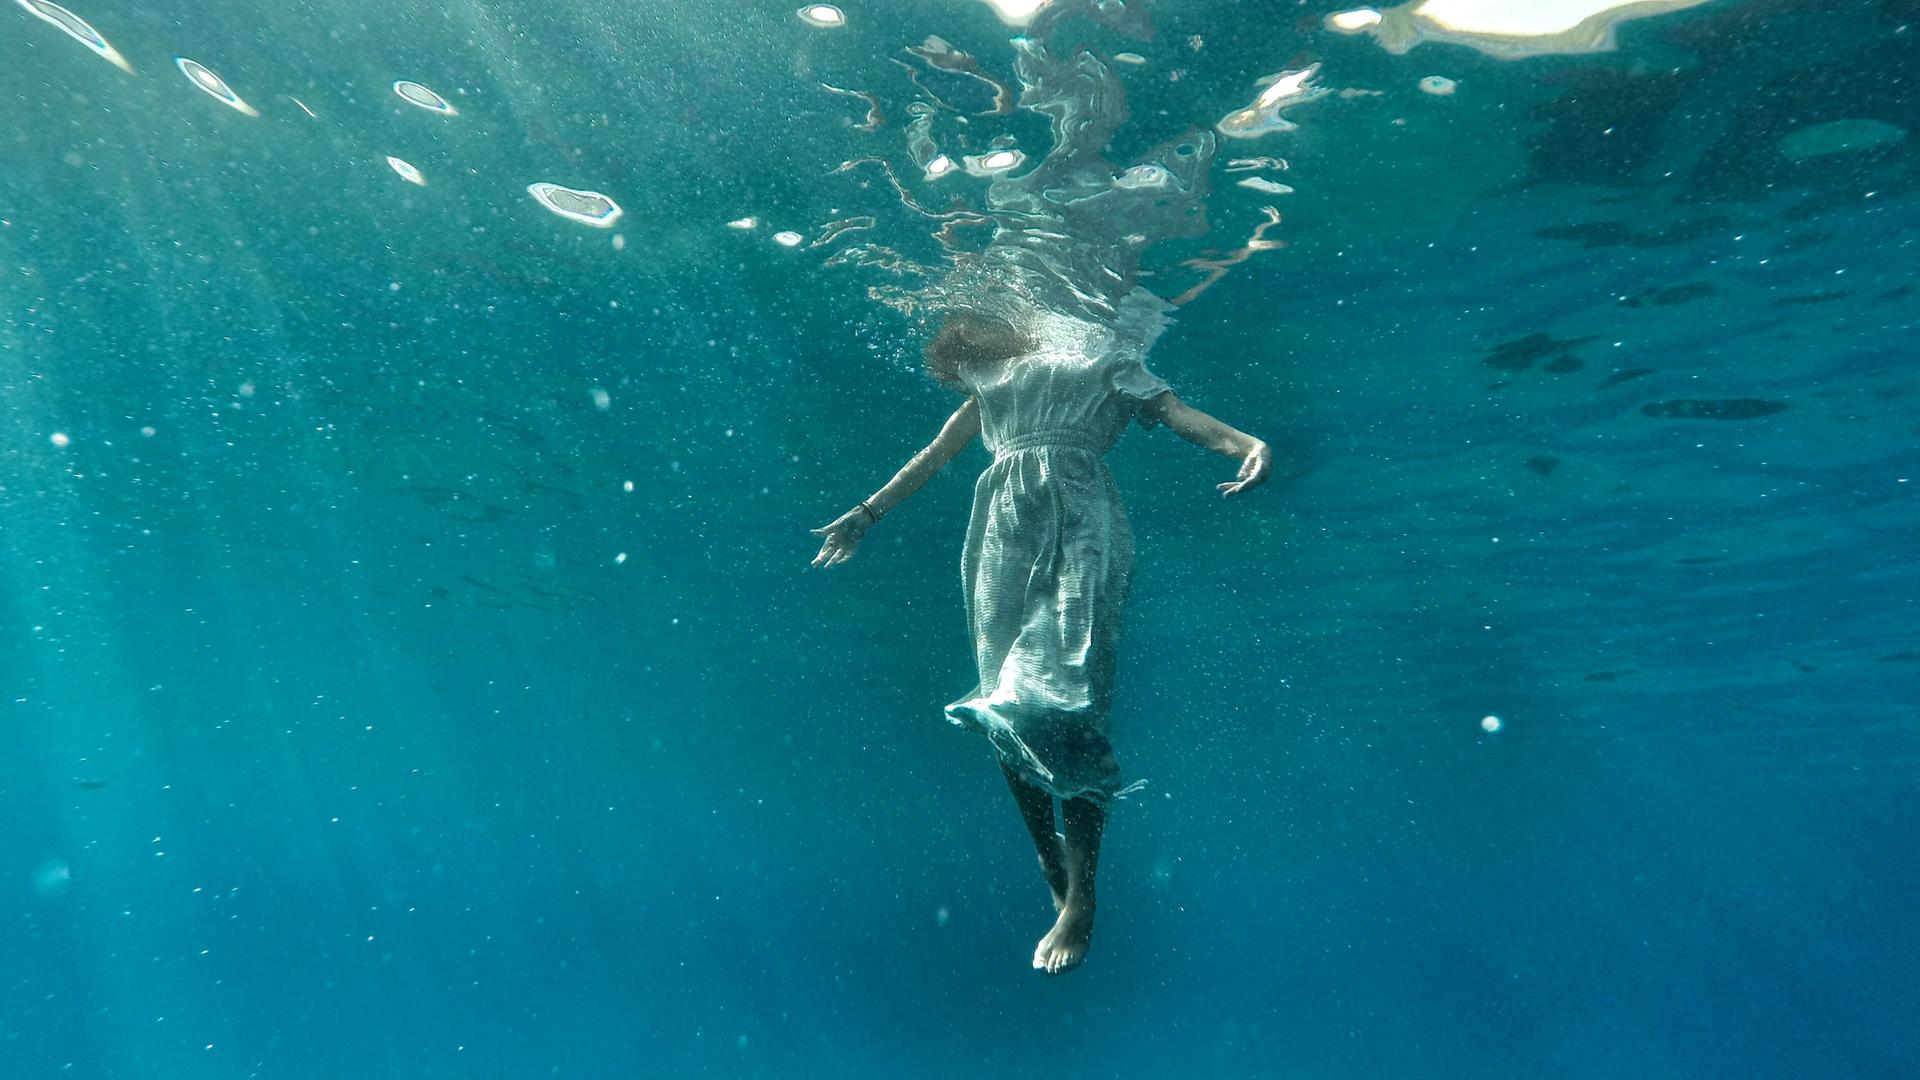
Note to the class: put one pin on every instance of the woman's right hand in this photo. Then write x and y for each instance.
(842, 537)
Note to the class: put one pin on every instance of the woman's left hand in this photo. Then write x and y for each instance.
(841, 536)
(1253, 470)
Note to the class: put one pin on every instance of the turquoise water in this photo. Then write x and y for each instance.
(356, 718)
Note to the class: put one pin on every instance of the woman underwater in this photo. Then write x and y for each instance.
(1046, 565)
(1046, 336)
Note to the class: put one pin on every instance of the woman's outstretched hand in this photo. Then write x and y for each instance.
(1253, 470)
(842, 537)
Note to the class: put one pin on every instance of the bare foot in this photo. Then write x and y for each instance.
(1066, 944)
(1053, 865)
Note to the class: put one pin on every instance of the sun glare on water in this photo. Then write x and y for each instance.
(1017, 12)
(1525, 18)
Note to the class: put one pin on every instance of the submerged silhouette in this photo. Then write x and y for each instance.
(1046, 334)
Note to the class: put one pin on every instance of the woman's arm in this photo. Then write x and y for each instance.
(1256, 460)
(844, 532)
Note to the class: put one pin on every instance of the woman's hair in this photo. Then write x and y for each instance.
(969, 338)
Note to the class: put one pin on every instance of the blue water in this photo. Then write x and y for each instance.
(357, 719)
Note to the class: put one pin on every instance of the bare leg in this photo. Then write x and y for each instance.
(1066, 944)
(1036, 808)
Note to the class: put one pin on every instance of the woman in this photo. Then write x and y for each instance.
(1048, 555)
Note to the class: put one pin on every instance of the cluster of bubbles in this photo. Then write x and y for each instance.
(586, 207)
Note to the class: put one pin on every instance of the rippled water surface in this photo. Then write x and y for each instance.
(411, 416)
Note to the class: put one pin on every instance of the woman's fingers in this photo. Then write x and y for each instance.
(1253, 473)
(842, 536)
(839, 545)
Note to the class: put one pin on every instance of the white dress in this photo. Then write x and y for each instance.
(1049, 552)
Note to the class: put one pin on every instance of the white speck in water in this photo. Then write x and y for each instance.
(59, 438)
(942, 916)
(787, 238)
(744, 223)
(1437, 85)
(586, 207)
(620, 559)
(1489, 724)
(415, 94)
(628, 485)
(1261, 183)
(619, 241)
(601, 399)
(824, 16)
(205, 79)
(76, 28)
(407, 172)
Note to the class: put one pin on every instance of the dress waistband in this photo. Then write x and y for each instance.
(1069, 438)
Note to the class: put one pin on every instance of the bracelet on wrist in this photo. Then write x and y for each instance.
(873, 516)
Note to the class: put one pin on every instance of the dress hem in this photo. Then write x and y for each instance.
(1013, 751)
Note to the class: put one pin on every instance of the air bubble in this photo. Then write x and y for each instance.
(585, 207)
(77, 28)
(407, 172)
(415, 94)
(204, 78)
(824, 16)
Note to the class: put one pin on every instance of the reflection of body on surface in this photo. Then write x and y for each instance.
(1046, 335)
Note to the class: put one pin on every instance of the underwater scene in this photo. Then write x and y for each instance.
(461, 612)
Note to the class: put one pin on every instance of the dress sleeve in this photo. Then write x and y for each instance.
(1143, 317)
(1137, 386)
